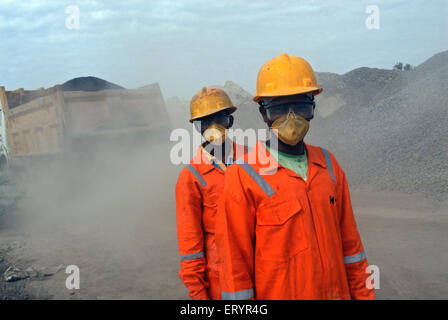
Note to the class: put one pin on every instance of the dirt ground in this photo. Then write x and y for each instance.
(405, 236)
(123, 239)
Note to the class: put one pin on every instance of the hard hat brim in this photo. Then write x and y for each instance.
(289, 92)
(232, 110)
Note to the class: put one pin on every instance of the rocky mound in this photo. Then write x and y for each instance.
(391, 129)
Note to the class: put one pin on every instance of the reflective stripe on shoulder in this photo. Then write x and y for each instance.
(328, 162)
(191, 256)
(355, 258)
(256, 176)
(196, 174)
(239, 295)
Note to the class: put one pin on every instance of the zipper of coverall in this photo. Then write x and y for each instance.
(307, 187)
(325, 265)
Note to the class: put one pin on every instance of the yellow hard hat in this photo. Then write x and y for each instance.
(208, 101)
(286, 75)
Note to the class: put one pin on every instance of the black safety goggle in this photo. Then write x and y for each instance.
(222, 118)
(303, 109)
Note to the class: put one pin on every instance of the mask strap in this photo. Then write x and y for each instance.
(268, 113)
(197, 125)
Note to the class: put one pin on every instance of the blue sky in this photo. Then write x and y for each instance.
(185, 45)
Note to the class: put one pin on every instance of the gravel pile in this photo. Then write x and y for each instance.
(397, 139)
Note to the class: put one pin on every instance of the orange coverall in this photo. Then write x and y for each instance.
(197, 191)
(280, 237)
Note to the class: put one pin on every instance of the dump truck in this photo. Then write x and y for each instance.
(47, 122)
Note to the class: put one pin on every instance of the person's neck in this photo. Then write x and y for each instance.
(296, 150)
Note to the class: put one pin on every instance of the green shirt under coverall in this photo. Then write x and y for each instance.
(298, 164)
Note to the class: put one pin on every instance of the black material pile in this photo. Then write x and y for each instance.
(89, 84)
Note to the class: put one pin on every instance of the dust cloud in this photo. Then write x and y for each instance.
(109, 209)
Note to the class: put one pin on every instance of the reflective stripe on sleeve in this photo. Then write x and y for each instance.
(196, 174)
(239, 295)
(191, 256)
(355, 258)
(328, 162)
(256, 176)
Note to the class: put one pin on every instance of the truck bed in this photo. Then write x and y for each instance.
(47, 124)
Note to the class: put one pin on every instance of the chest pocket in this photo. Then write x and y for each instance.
(280, 230)
(210, 207)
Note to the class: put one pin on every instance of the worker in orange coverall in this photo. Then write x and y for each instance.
(285, 226)
(199, 185)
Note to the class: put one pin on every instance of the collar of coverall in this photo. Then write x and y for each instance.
(212, 158)
(204, 159)
(265, 157)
